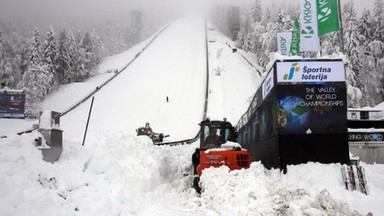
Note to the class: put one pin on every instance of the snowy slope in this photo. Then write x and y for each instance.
(118, 173)
(232, 83)
(173, 66)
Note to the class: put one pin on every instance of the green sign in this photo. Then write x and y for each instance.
(295, 43)
(327, 16)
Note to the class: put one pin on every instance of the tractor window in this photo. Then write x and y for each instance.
(212, 137)
(206, 132)
(226, 134)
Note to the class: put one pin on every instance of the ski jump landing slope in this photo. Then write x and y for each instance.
(173, 66)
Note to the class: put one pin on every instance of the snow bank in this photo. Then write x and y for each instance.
(380, 106)
(12, 126)
(114, 174)
(122, 174)
(258, 191)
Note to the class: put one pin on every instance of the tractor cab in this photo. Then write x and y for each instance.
(215, 133)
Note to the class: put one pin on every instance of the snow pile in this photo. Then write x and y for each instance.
(258, 191)
(380, 106)
(12, 126)
(230, 145)
(121, 174)
(114, 174)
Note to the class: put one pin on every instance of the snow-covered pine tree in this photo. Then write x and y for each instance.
(378, 15)
(380, 71)
(62, 61)
(13, 43)
(77, 61)
(6, 72)
(79, 65)
(245, 27)
(81, 58)
(353, 51)
(252, 39)
(352, 46)
(97, 51)
(377, 46)
(370, 83)
(36, 84)
(256, 12)
(240, 41)
(268, 43)
(286, 21)
(2, 73)
(73, 50)
(374, 54)
(6, 75)
(35, 48)
(36, 80)
(49, 54)
(365, 27)
(268, 39)
(354, 94)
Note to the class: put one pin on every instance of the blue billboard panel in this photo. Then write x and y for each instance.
(312, 108)
(12, 104)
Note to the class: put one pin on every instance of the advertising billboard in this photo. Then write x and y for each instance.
(310, 71)
(12, 103)
(268, 84)
(366, 136)
(312, 108)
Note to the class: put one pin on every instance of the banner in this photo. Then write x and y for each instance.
(284, 42)
(366, 136)
(310, 72)
(327, 16)
(309, 40)
(268, 84)
(295, 44)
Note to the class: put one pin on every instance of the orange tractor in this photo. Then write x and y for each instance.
(215, 151)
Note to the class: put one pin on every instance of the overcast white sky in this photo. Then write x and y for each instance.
(50, 12)
(47, 12)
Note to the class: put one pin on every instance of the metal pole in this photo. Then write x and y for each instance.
(207, 68)
(341, 26)
(89, 116)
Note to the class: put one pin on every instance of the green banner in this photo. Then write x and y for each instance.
(295, 43)
(327, 16)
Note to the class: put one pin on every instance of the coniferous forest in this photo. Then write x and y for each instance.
(362, 44)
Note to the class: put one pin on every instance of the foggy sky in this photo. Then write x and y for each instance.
(50, 12)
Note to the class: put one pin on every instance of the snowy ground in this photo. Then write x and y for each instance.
(118, 173)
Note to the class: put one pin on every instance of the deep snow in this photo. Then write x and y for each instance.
(118, 173)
